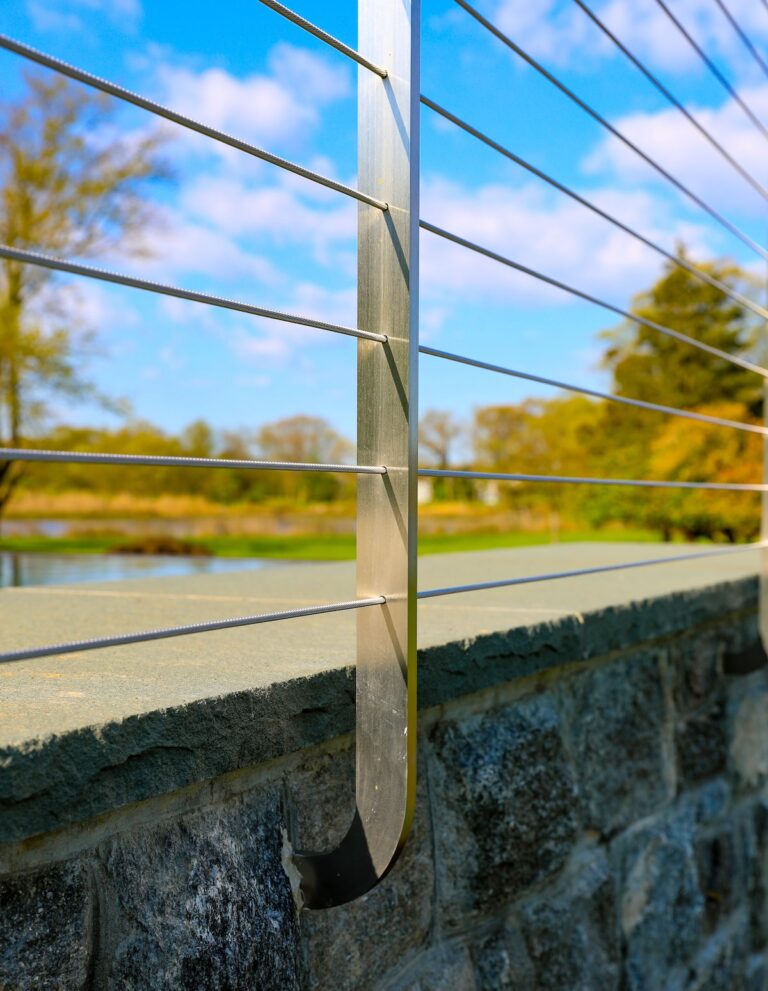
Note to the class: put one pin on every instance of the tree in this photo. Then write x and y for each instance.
(542, 437)
(651, 366)
(309, 439)
(438, 432)
(68, 187)
(646, 364)
(695, 452)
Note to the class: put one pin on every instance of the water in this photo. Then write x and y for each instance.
(64, 569)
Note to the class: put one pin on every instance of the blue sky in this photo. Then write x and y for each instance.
(238, 227)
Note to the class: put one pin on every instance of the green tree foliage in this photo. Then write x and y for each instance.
(300, 438)
(68, 187)
(652, 366)
(576, 436)
(539, 437)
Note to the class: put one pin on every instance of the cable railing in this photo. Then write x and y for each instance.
(590, 298)
(158, 110)
(729, 88)
(133, 282)
(676, 259)
(598, 569)
(746, 40)
(672, 99)
(582, 390)
(388, 353)
(619, 135)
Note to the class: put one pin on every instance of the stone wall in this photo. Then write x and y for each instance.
(592, 815)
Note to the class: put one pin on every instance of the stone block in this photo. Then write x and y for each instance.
(502, 963)
(661, 905)
(355, 945)
(701, 741)
(445, 967)
(748, 746)
(722, 875)
(696, 666)
(753, 840)
(756, 973)
(571, 931)
(614, 726)
(722, 964)
(507, 804)
(201, 903)
(45, 929)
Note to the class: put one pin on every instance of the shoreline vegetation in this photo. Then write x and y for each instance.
(299, 547)
(78, 522)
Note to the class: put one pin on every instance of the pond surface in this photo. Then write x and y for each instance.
(63, 569)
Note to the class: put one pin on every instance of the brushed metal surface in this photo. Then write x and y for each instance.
(763, 600)
(387, 428)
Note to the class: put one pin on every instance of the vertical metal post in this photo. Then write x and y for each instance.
(763, 601)
(387, 426)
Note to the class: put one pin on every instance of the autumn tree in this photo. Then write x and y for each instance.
(541, 437)
(68, 187)
(648, 365)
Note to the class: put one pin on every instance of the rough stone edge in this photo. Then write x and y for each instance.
(49, 783)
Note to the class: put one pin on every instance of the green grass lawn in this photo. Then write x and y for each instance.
(328, 547)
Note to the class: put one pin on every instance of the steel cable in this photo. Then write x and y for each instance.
(677, 260)
(589, 298)
(118, 278)
(97, 643)
(584, 391)
(329, 39)
(112, 89)
(580, 572)
(668, 95)
(747, 41)
(677, 183)
(727, 86)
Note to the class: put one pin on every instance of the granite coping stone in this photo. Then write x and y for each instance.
(82, 734)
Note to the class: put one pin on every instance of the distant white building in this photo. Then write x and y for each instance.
(425, 491)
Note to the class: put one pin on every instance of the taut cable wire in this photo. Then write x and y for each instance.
(580, 572)
(677, 260)
(747, 41)
(633, 483)
(120, 279)
(589, 298)
(671, 98)
(721, 78)
(582, 390)
(173, 461)
(619, 135)
(329, 39)
(97, 643)
(120, 93)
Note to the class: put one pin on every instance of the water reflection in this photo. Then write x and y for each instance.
(18, 570)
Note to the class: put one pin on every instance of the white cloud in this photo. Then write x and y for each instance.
(255, 340)
(275, 211)
(556, 30)
(547, 233)
(74, 15)
(281, 106)
(183, 247)
(669, 139)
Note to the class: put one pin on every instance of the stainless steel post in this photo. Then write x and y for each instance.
(763, 602)
(388, 123)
